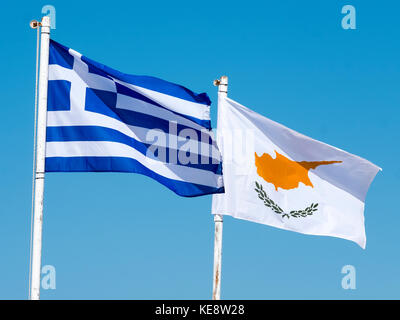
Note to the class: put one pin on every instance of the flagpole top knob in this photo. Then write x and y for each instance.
(34, 24)
(222, 81)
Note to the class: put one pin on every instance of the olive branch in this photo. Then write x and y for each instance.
(268, 202)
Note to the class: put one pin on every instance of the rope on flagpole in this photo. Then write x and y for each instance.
(34, 25)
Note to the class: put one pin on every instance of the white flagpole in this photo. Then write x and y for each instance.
(218, 219)
(40, 159)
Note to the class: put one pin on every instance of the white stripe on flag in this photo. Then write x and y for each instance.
(116, 149)
(66, 118)
(189, 108)
(128, 103)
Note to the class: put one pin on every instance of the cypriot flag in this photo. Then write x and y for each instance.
(279, 177)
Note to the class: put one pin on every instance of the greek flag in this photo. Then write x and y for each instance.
(103, 120)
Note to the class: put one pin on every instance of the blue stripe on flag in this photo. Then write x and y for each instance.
(121, 89)
(153, 83)
(95, 133)
(120, 164)
(104, 102)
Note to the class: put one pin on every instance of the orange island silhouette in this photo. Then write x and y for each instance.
(285, 173)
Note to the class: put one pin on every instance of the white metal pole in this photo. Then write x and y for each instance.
(218, 219)
(40, 159)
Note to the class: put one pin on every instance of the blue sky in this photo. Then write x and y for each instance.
(124, 236)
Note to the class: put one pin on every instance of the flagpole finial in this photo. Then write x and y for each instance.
(222, 81)
(34, 24)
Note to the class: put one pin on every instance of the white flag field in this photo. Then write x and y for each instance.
(276, 176)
